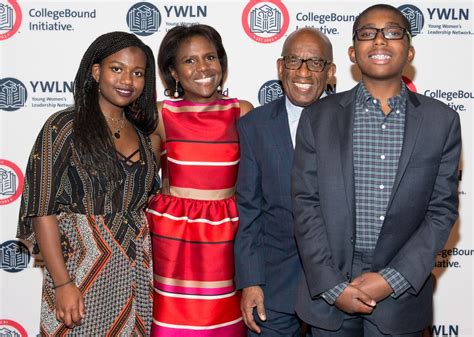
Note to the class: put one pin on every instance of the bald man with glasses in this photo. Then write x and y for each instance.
(266, 257)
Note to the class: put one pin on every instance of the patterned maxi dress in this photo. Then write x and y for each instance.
(104, 233)
(193, 239)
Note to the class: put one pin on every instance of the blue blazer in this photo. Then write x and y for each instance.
(265, 248)
(419, 216)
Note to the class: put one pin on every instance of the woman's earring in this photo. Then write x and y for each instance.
(219, 89)
(176, 92)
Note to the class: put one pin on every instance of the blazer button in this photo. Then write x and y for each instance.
(348, 276)
(352, 240)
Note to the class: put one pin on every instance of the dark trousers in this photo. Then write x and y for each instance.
(278, 324)
(359, 326)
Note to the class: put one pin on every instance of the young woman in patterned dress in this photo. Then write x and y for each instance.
(194, 220)
(88, 179)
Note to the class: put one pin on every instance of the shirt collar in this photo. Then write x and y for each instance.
(294, 111)
(363, 96)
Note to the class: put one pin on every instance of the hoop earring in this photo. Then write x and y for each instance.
(176, 92)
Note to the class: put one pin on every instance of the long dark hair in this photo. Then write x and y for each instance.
(92, 137)
(169, 48)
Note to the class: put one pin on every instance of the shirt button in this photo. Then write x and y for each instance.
(382, 218)
(397, 111)
(383, 126)
(366, 110)
(381, 187)
(382, 157)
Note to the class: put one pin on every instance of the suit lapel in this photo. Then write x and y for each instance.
(345, 123)
(280, 131)
(413, 120)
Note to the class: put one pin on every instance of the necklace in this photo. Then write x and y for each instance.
(118, 128)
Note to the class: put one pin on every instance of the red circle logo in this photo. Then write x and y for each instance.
(265, 21)
(8, 324)
(11, 18)
(11, 182)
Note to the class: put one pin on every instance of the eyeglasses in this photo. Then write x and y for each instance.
(389, 33)
(313, 64)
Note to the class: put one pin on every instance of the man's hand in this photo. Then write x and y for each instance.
(252, 297)
(69, 305)
(373, 284)
(355, 301)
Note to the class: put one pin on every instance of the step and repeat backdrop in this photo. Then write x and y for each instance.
(42, 42)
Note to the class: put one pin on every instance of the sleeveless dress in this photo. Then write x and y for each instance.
(193, 240)
(104, 234)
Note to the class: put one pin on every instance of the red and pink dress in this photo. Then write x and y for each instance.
(193, 238)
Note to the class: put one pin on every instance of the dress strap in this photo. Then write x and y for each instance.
(164, 114)
(237, 112)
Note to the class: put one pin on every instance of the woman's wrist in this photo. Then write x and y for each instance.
(62, 284)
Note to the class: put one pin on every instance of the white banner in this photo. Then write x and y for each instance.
(42, 42)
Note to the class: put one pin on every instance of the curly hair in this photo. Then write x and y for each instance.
(92, 137)
(171, 43)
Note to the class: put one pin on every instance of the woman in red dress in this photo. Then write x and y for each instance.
(194, 220)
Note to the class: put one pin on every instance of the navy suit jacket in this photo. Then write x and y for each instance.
(419, 216)
(265, 248)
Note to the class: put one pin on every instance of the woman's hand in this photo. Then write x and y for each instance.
(69, 305)
(69, 301)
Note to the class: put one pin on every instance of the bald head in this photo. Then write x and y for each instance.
(305, 52)
(306, 35)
